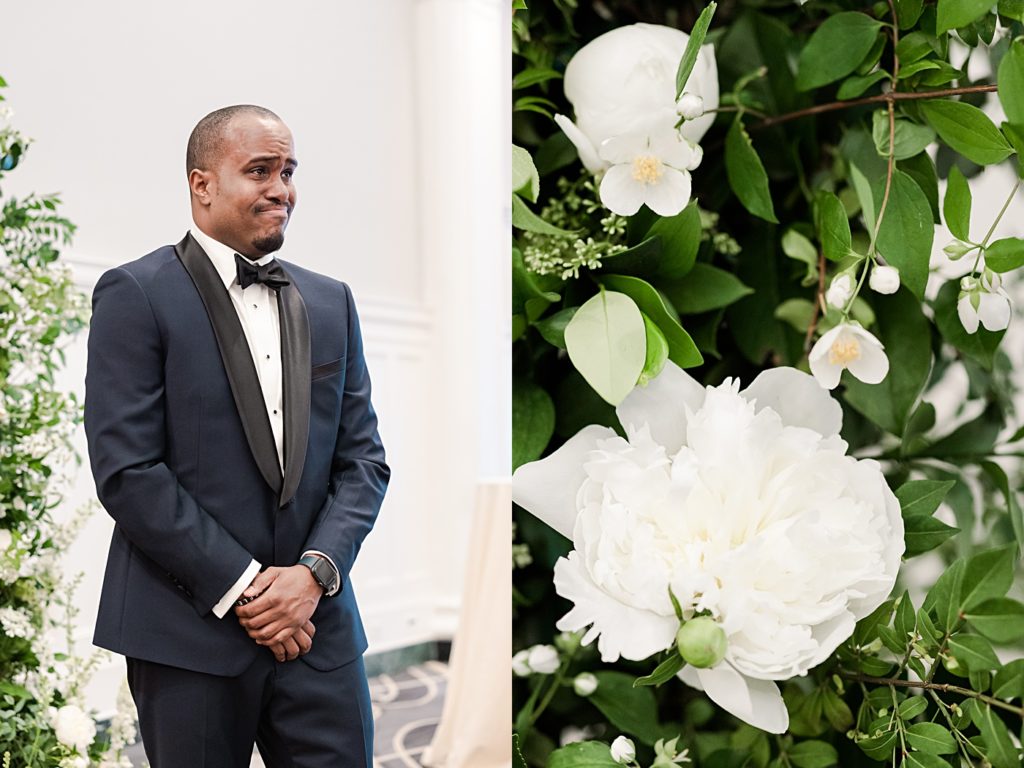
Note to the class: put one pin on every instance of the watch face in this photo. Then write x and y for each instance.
(323, 573)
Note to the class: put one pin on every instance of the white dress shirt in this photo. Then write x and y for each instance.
(257, 311)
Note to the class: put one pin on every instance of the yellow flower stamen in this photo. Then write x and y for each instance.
(844, 351)
(647, 169)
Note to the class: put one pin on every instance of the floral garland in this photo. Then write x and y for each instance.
(736, 560)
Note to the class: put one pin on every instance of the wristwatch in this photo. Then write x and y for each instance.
(322, 571)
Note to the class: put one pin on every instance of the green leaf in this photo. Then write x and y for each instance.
(864, 196)
(908, 12)
(988, 574)
(525, 219)
(911, 138)
(1005, 255)
(855, 85)
(1012, 9)
(798, 247)
(1014, 133)
(680, 240)
(681, 349)
(922, 497)
(879, 747)
(914, 46)
(833, 226)
(904, 331)
(693, 44)
(957, 205)
(967, 130)
(528, 298)
(799, 313)
(944, 597)
(923, 534)
(747, 177)
(605, 340)
(980, 346)
(924, 760)
(582, 754)
(835, 49)
(663, 672)
(1001, 619)
(922, 170)
(974, 652)
(552, 327)
(518, 761)
(1011, 83)
(704, 289)
(813, 754)
(912, 706)
(931, 738)
(974, 437)
(657, 352)
(1000, 751)
(632, 710)
(998, 475)
(836, 711)
(533, 76)
(959, 13)
(525, 179)
(905, 235)
(905, 619)
(533, 422)
(1009, 681)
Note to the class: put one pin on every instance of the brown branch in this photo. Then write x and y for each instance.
(928, 686)
(878, 98)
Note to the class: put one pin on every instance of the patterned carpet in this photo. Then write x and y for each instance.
(406, 710)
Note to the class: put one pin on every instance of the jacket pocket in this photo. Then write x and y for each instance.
(326, 369)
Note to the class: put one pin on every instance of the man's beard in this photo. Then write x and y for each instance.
(270, 243)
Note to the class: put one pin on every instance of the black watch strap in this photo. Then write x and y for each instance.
(322, 571)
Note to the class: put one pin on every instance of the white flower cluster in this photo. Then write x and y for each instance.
(16, 623)
(74, 728)
(539, 659)
(745, 505)
(622, 86)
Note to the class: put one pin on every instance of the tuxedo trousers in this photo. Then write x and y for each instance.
(298, 717)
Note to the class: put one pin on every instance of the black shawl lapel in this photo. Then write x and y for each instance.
(296, 367)
(238, 364)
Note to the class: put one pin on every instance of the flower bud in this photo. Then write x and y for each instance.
(520, 665)
(839, 291)
(5, 540)
(957, 249)
(623, 750)
(585, 683)
(543, 659)
(568, 642)
(690, 106)
(884, 279)
(697, 155)
(701, 642)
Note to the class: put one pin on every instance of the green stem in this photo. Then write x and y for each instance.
(961, 740)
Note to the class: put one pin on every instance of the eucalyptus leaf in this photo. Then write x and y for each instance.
(657, 352)
(836, 48)
(967, 130)
(605, 340)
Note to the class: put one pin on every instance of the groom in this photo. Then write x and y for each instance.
(233, 441)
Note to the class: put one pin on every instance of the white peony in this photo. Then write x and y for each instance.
(74, 729)
(745, 504)
(848, 346)
(626, 78)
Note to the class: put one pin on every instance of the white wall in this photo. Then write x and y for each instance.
(109, 90)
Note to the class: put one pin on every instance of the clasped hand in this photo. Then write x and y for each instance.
(279, 617)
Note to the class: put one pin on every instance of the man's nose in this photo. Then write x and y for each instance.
(279, 192)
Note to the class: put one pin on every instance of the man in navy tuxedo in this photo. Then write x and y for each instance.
(233, 441)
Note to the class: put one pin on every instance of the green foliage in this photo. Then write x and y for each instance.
(797, 186)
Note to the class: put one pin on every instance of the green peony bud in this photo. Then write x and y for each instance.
(701, 642)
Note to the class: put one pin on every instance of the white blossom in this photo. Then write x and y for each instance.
(848, 347)
(585, 683)
(690, 106)
(16, 623)
(983, 300)
(623, 750)
(521, 663)
(543, 659)
(74, 728)
(884, 279)
(745, 504)
(840, 290)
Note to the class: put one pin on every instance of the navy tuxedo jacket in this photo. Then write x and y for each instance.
(185, 462)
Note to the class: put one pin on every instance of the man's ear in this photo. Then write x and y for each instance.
(200, 183)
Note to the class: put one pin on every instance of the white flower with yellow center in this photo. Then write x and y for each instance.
(745, 505)
(649, 166)
(848, 346)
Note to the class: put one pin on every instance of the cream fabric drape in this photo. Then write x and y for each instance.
(475, 725)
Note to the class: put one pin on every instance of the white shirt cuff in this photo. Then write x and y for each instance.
(337, 573)
(221, 608)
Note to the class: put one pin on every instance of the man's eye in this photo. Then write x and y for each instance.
(288, 173)
(259, 171)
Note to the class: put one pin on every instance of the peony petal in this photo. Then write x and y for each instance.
(670, 193)
(968, 314)
(662, 406)
(621, 629)
(587, 151)
(798, 398)
(548, 488)
(994, 311)
(756, 702)
(620, 192)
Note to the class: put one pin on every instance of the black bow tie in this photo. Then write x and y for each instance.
(270, 274)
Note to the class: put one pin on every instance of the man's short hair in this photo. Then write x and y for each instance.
(204, 143)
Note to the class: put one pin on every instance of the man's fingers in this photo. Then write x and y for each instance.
(309, 629)
(279, 652)
(291, 648)
(262, 581)
(305, 642)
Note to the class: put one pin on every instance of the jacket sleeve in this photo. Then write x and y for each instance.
(125, 430)
(359, 474)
